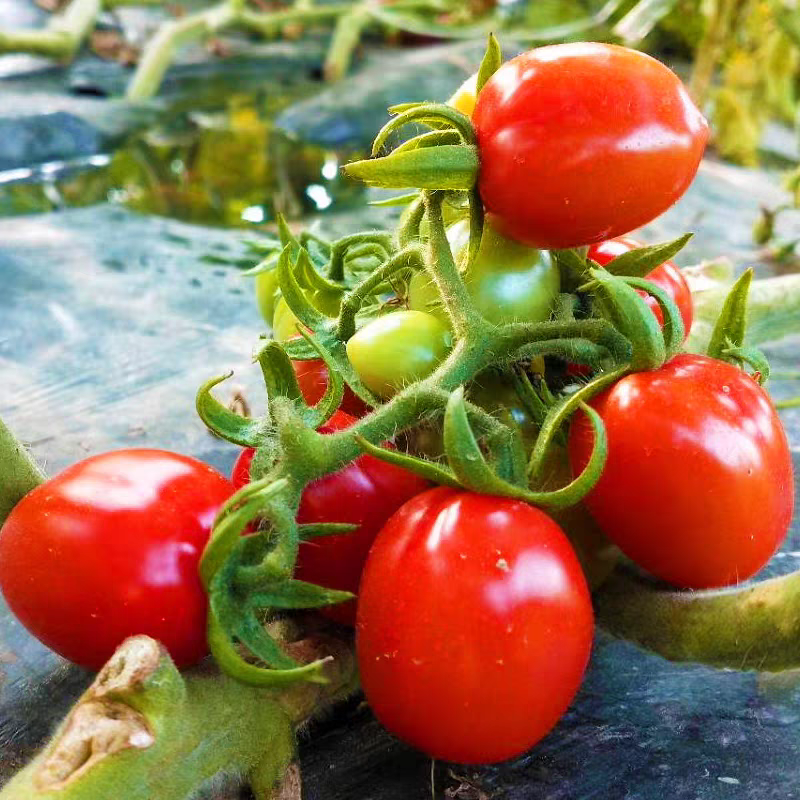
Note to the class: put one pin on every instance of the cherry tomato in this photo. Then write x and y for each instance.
(312, 377)
(582, 142)
(365, 493)
(267, 294)
(668, 276)
(474, 625)
(508, 281)
(109, 548)
(398, 348)
(284, 321)
(464, 97)
(698, 486)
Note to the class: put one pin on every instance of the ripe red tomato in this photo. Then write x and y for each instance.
(365, 493)
(109, 548)
(582, 142)
(474, 625)
(668, 277)
(698, 486)
(312, 377)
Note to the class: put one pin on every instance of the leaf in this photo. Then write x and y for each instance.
(223, 422)
(643, 260)
(294, 594)
(492, 61)
(731, 325)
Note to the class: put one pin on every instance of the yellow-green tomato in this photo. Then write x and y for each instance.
(465, 96)
(284, 322)
(392, 351)
(267, 294)
(508, 281)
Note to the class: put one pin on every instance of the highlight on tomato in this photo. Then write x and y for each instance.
(698, 487)
(582, 142)
(109, 548)
(365, 493)
(474, 625)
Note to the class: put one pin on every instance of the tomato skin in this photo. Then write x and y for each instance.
(698, 486)
(508, 282)
(267, 294)
(474, 625)
(312, 378)
(667, 276)
(583, 142)
(398, 348)
(365, 493)
(109, 548)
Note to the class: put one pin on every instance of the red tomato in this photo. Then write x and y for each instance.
(667, 276)
(109, 548)
(365, 493)
(312, 377)
(582, 142)
(474, 625)
(698, 486)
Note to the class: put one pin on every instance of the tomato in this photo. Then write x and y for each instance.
(267, 294)
(284, 321)
(465, 96)
(583, 142)
(668, 277)
(698, 486)
(109, 548)
(508, 281)
(398, 348)
(365, 493)
(474, 625)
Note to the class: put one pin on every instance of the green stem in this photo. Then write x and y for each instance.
(711, 48)
(346, 36)
(793, 403)
(160, 50)
(20, 472)
(751, 627)
(61, 38)
(143, 730)
(271, 23)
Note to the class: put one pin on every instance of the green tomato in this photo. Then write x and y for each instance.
(267, 294)
(508, 281)
(284, 322)
(392, 351)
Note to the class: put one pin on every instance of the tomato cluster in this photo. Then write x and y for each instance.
(473, 616)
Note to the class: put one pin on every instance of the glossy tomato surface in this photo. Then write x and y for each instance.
(365, 493)
(399, 348)
(667, 276)
(698, 486)
(583, 142)
(474, 625)
(109, 548)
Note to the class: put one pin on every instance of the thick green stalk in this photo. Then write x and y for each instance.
(143, 730)
(20, 473)
(61, 38)
(756, 626)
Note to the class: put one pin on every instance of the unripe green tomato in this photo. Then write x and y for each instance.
(284, 322)
(508, 282)
(267, 294)
(397, 349)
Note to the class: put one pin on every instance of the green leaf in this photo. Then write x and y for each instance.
(436, 473)
(731, 325)
(632, 317)
(429, 114)
(292, 292)
(672, 329)
(751, 356)
(315, 530)
(429, 139)
(252, 634)
(395, 200)
(222, 421)
(334, 391)
(294, 594)
(643, 260)
(441, 167)
(492, 61)
(279, 377)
